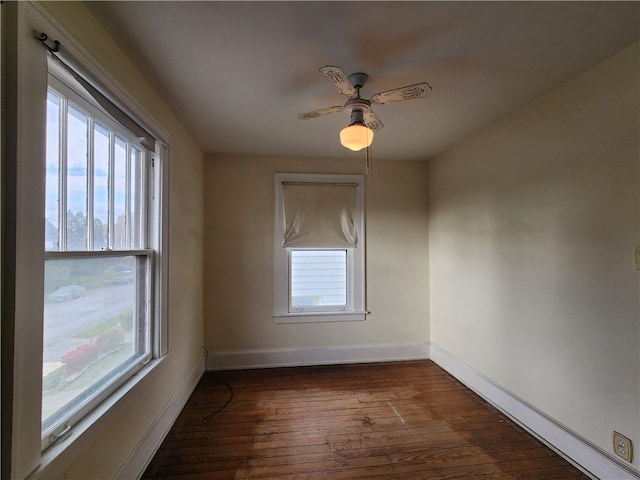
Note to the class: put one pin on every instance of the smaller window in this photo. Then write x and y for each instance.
(319, 248)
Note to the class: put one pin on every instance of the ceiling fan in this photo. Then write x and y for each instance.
(359, 133)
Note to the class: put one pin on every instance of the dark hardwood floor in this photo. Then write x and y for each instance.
(399, 420)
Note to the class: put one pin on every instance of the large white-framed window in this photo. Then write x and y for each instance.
(319, 255)
(86, 214)
(97, 320)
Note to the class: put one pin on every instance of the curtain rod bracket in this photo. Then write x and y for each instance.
(43, 40)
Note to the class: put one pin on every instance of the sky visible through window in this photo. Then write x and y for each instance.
(53, 143)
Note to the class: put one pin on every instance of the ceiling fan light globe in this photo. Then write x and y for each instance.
(356, 137)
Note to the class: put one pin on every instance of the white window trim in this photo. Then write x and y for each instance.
(356, 286)
(30, 77)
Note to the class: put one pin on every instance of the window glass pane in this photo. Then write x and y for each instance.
(135, 201)
(95, 327)
(318, 278)
(76, 179)
(100, 187)
(52, 172)
(120, 194)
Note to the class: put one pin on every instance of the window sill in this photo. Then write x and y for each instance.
(56, 459)
(319, 317)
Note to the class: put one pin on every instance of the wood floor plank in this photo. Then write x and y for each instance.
(397, 420)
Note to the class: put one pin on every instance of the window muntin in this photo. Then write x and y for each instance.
(345, 301)
(98, 269)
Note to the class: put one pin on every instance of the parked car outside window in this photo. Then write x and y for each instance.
(68, 292)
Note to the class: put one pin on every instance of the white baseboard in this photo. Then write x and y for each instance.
(135, 465)
(589, 458)
(267, 358)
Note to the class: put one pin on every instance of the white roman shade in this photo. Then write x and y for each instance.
(319, 215)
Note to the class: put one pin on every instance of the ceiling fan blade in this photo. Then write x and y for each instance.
(418, 90)
(339, 80)
(320, 112)
(372, 121)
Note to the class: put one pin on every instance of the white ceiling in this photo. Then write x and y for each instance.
(238, 73)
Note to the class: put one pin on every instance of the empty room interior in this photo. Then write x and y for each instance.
(467, 172)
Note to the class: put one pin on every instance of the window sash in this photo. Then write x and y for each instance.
(78, 406)
(136, 234)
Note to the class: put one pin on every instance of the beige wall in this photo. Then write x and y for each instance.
(533, 223)
(113, 446)
(239, 243)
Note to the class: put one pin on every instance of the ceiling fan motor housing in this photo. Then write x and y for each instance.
(356, 107)
(358, 79)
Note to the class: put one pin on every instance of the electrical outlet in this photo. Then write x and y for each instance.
(622, 446)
